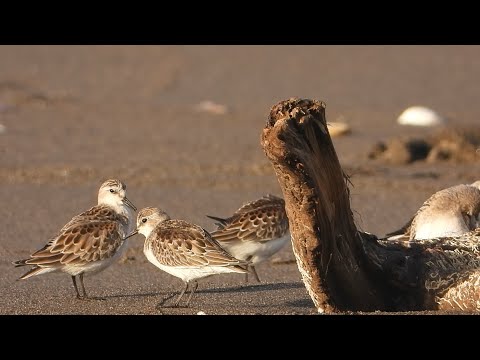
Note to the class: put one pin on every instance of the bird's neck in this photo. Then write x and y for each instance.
(124, 211)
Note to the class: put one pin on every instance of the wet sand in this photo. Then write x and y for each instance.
(74, 116)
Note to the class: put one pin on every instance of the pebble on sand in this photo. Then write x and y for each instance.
(420, 116)
(3, 129)
(211, 107)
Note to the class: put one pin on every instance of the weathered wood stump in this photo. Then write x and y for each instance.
(343, 268)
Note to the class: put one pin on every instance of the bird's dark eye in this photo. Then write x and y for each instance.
(112, 191)
(144, 220)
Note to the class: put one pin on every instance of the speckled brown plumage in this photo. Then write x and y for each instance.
(184, 250)
(179, 243)
(91, 236)
(447, 268)
(255, 232)
(90, 241)
(260, 220)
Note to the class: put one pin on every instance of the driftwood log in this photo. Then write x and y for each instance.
(345, 269)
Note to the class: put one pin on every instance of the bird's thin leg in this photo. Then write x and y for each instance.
(85, 296)
(248, 259)
(255, 273)
(83, 286)
(181, 295)
(194, 287)
(160, 304)
(76, 288)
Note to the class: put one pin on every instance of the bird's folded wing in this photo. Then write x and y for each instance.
(185, 244)
(81, 243)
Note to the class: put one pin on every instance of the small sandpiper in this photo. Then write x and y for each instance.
(255, 232)
(184, 250)
(90, 241)
(450, 212)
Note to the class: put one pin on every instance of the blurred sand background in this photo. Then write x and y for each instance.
(73, 116)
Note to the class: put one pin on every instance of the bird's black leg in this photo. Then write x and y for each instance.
(181, 295)
(255, 273)
(194, 287)
(83, 286)
(76, 288)
(85, 296)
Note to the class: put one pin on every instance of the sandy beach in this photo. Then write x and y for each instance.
(74, 116)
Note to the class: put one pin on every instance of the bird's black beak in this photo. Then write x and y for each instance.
(134, 232)
(129, 203)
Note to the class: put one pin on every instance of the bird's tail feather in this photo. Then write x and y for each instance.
(221, 222)
(20, 263)
(36, 270)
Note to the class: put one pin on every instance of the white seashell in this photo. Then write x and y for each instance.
(420, 116)
(201, 313)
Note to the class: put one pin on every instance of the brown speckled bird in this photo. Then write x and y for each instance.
(91, 241)
(184, 250)
(255, 232)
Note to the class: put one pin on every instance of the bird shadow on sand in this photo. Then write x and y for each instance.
(254, 287)
(239, 288)
(149, 294)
